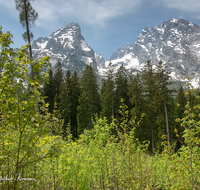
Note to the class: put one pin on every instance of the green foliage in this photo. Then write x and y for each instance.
(179, 104)
(136, 98)
(57, 81)
(157, 103)
(49, 91)
(70, 92)
(108, 94)
(108, 154)
(24, 131)
(58, 123)
(27, 13)
(25, 36)
(75, 96)
(121, 90)
(83, 115)
(102, 160)
(89, 101)
(27, 18)
(65, 100)
(163, 99)
(190, 152)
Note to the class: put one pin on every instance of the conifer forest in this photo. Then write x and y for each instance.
(61, 130)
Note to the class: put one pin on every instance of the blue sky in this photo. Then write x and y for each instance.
(106, 25)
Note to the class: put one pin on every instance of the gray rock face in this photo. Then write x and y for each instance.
(175, 42)
(67, 46)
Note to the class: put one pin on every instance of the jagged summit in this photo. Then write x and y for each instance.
(70, 29)
(175, 42)
(69, 47)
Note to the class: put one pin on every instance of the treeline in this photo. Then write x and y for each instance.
(148, 96)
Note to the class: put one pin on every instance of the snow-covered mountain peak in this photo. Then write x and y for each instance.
(173, 20)
(175, 42)
(67, 46)
(73, 29)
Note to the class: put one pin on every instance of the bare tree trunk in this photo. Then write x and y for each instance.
(28, 36)
(152, 136)
(166, 117)
(112, 108)
(27, 29)
(70, 127)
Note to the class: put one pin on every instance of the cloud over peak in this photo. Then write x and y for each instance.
(91, 12)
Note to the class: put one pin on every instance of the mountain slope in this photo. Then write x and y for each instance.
(175, 42)
(67, 46)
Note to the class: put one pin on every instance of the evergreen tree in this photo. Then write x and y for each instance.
(136, 99)
(49, 91)
(75, 96)
(149, 87)
(65, 103)
(27, 18)
(163, 96)
(106, 103)
(89, 98)
(180, 103)
(108, 93)
(180, 99)
(58, 80)
(83, 116)
(136, 96)
(121, 89)
(70, 92)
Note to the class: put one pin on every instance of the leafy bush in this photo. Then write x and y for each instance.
(24, 121)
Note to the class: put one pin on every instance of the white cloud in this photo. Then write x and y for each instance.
(53, 13)
(183, 5)
(93, 12)
(87, 11)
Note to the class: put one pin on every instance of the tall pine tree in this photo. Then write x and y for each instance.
(148, 79)
(108, 94)
(164, 95)
(58, 80)
(49, 91)
(75, 97)
(70, 92)
(27, 17)
(65, 103)
(180, 103)
(121, 81)
(136, 98)
(89, 100)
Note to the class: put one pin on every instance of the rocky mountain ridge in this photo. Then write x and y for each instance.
(175, 42)
(69, 47)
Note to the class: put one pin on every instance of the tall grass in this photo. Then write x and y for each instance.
(100, 160)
